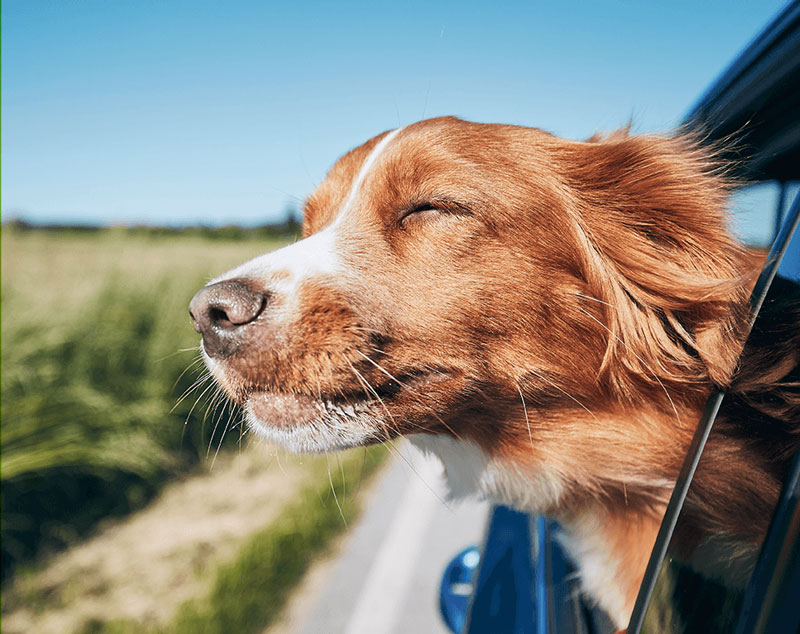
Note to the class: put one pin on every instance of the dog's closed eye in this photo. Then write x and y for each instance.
(430, 210)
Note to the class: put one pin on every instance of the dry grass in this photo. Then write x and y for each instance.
(142, 569)
(91, 324)
(95, 335)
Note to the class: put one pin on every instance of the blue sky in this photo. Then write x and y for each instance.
(172, 112)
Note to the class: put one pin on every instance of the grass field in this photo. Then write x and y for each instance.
(95, 336)
(219, 551)
(61, 271)
(95, 341)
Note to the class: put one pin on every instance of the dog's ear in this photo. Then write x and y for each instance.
(658, 252)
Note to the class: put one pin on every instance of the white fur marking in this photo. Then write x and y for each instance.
(312, 257)
(585, 541)
(469, 472)
(362, 174)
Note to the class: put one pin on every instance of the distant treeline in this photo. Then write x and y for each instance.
(289, 228)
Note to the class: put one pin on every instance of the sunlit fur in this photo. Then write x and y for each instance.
(546, 315)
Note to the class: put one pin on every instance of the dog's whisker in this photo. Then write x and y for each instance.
(353, 328)
(642, 361)
(192, 365)
(563, 391)
(594, 299)
(219, 405)
(527, 420)
(361, 470)
(333, 490)
(235, 412)
(389, 444)
(370, 389)
(341, 471)
(197, 400)
(278, 459)
(177, 352)
(205, 376)
(382, 369)
(227, 413)
(418, 396)
(212, 410)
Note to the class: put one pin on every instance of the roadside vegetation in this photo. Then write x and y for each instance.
(95, 342)
(97, 352)
(249, 592)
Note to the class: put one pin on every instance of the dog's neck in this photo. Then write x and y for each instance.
(607, 477)
(610, 546)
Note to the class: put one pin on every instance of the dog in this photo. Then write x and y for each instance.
(546, 316)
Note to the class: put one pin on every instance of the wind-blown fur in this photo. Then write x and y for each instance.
(558, 311)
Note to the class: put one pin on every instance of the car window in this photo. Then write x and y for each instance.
(756, 209)
(701, 582)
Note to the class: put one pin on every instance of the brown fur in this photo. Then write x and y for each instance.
(559, 303)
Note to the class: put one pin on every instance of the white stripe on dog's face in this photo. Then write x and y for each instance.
(362, 174)
(311, 257)
(283, 270)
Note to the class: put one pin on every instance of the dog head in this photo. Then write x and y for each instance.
(489, 283)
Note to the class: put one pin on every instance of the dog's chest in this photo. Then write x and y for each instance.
(469, 472)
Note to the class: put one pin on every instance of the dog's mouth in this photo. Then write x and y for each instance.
(277, 411)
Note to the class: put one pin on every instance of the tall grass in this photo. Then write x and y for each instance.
(250, 592)
(86, 425)
(88, 386)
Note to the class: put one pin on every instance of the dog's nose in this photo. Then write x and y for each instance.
(219, 312)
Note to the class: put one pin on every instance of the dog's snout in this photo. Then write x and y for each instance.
(219, 311)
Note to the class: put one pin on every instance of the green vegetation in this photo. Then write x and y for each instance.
(250, 592)
(284, 231)
(97, 349)
(92, 332)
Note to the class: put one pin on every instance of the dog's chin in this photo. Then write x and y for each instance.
(306, 423)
